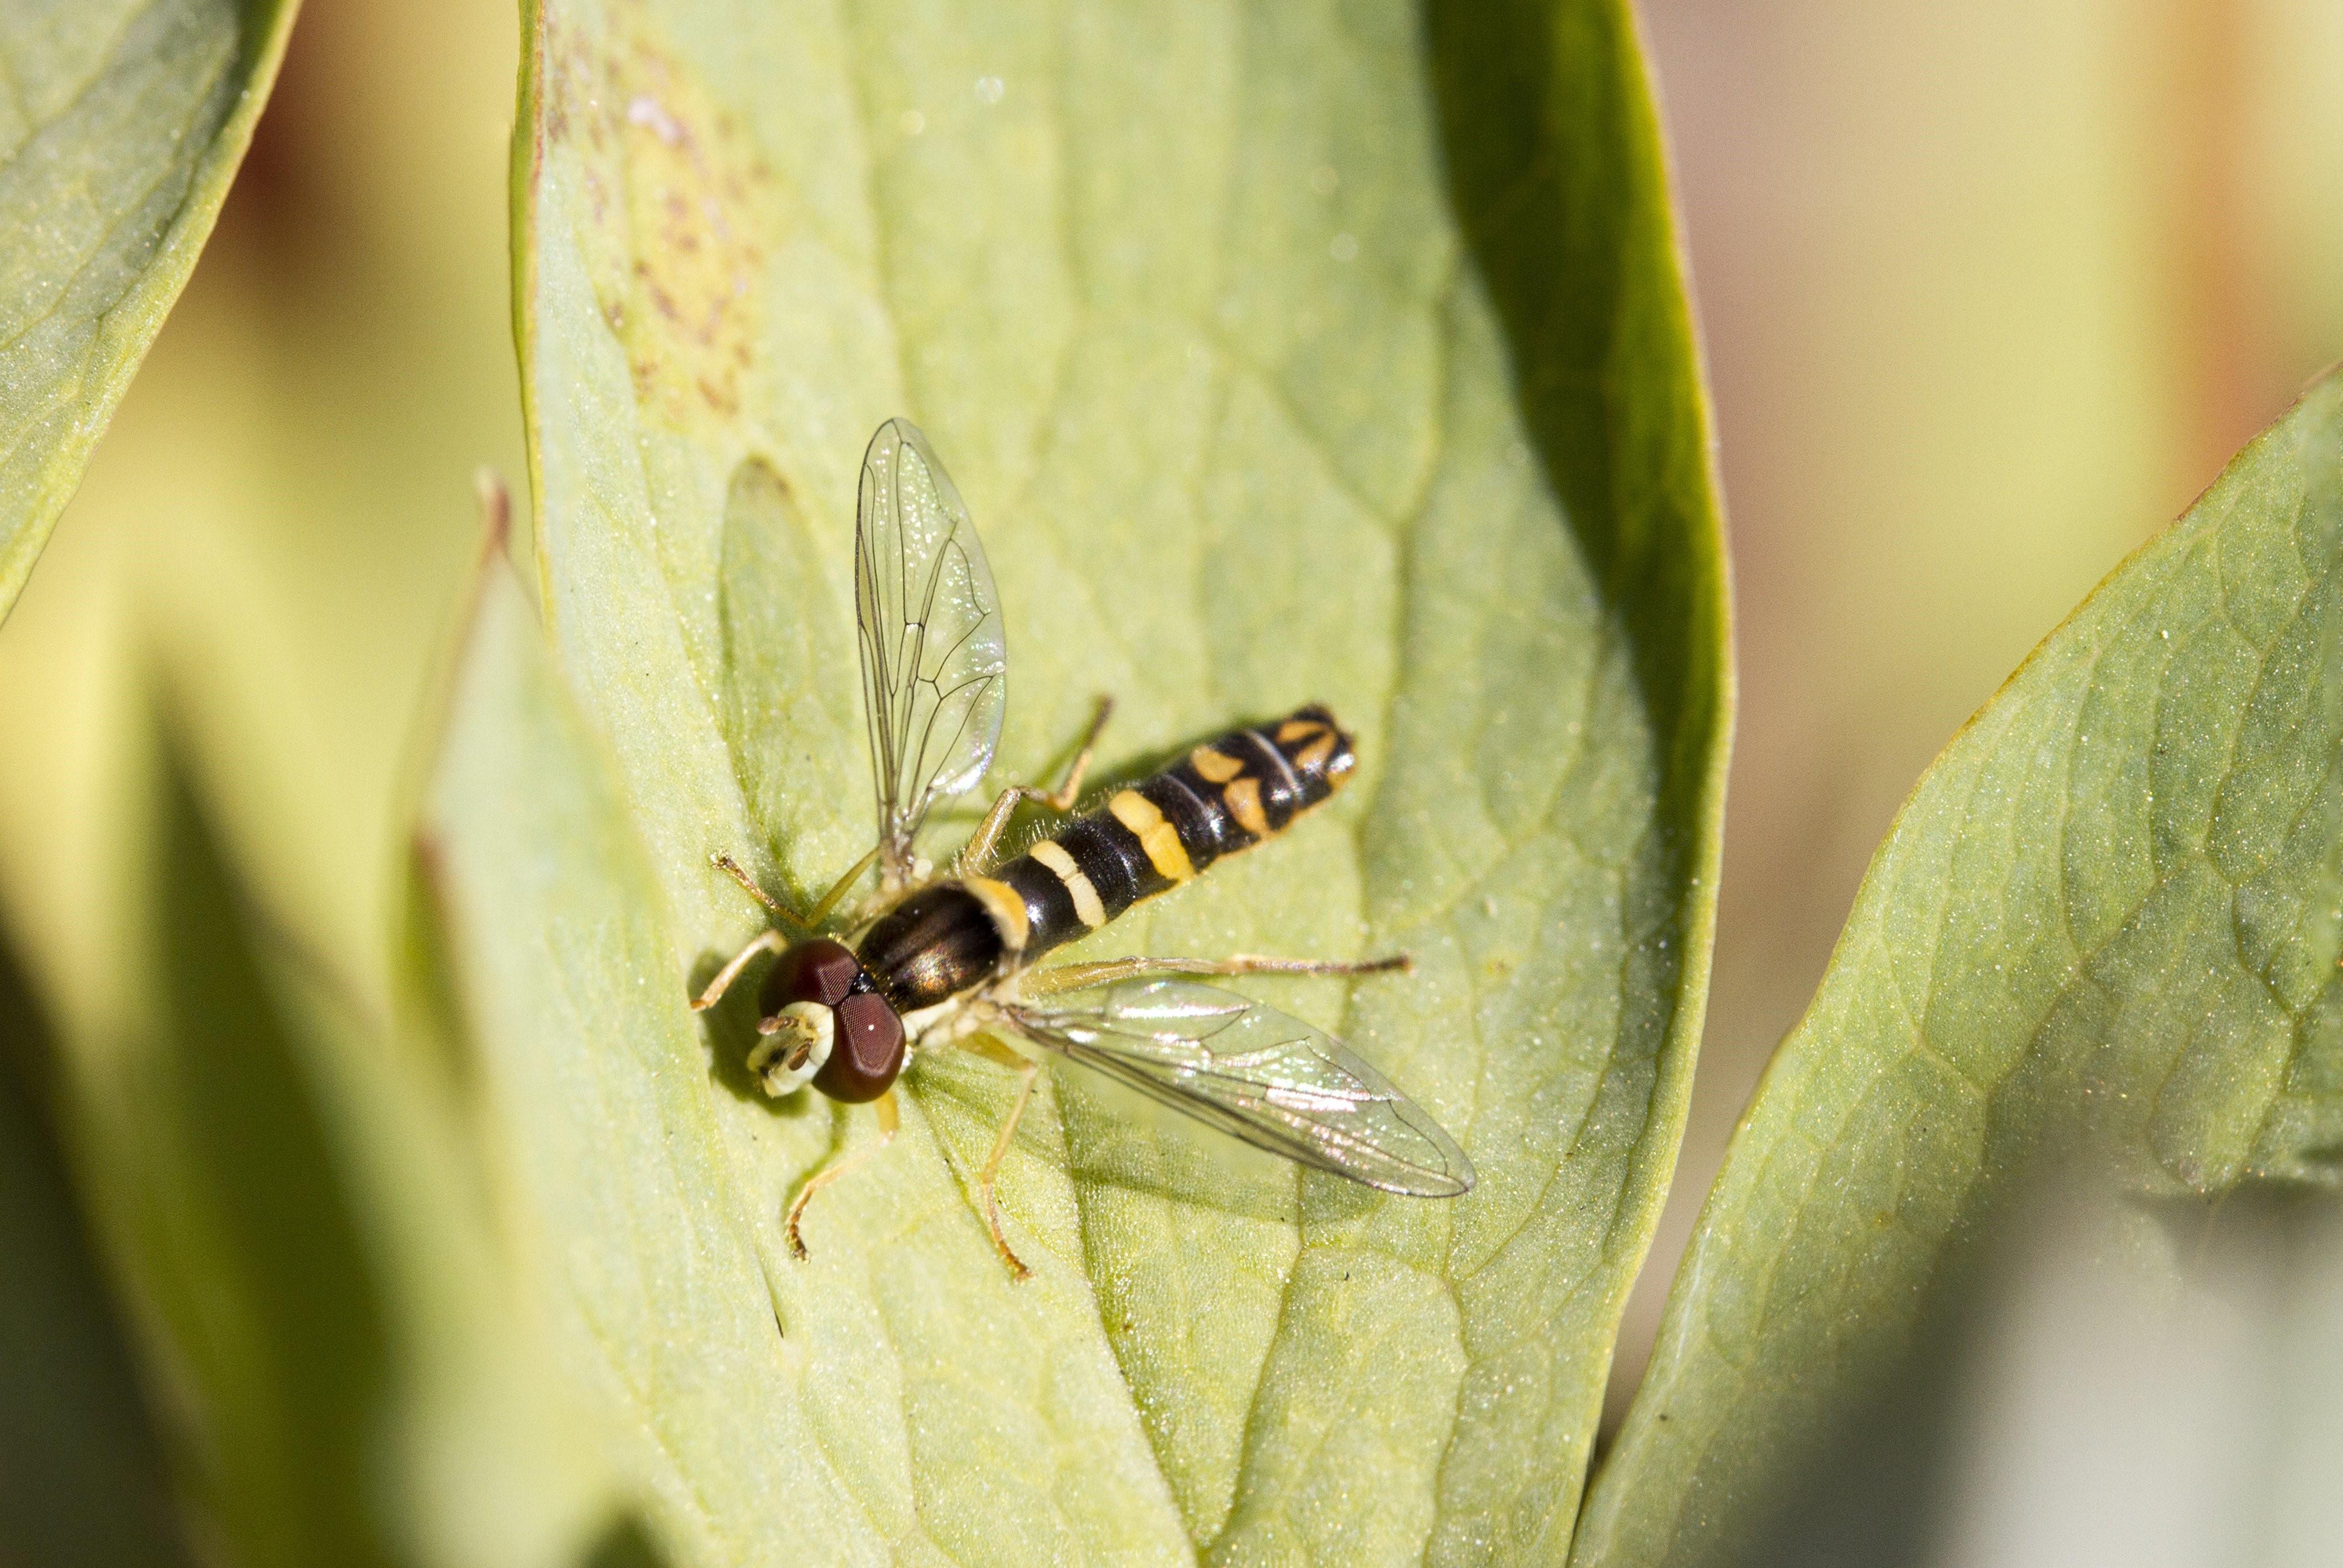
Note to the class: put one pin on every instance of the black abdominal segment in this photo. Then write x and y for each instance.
(1227, 795)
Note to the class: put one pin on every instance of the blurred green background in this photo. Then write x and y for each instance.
(1989, 293)
(280, 521)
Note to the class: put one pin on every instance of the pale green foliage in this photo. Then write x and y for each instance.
(2105, 928)
(1281, 353)
(341, 1369)
(121, 124)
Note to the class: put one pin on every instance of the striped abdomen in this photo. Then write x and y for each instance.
(1226, 795)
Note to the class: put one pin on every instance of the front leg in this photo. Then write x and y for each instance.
(976, 856)
(764, 941)
(888, 1121)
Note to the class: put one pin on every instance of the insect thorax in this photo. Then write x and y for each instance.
(946, 938)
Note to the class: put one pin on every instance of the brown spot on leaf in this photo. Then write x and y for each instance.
(671, 198)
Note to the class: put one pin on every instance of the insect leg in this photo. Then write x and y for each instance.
(1082, 977)
(889, 1120)
(987, 1178)
(731, 867)
(977, 855)
(765, 941)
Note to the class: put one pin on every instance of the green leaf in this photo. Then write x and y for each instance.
(288, 1200)
(121, 124)
(1280, 356)
(2104, 927)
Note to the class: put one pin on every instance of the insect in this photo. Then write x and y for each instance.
(949, 959)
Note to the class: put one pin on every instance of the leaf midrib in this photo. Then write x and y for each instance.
(1439, 303)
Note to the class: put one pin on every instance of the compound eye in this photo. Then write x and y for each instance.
(868, 1051)
(819, 970)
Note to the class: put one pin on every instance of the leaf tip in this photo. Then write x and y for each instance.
(496, 512)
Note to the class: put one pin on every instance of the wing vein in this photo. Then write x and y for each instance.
(1278, 1083)
(934, 657)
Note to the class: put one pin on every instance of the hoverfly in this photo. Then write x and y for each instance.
(949, 959)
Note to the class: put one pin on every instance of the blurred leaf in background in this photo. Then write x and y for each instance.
(1281, 356)
(285, 510)
(1989, 292)
(81, 1480)
(2106, 926)
(2103, 1382)
(286, 1197)
(2150, 1387)
(121, 124)
(282, 520)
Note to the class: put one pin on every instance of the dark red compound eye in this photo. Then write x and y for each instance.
(819, 970)
(867, 1046)
(867, 1051)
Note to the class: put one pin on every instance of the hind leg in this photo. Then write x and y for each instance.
(889, 1120)
(1082, 977)
(976, 856)
(987, 1196)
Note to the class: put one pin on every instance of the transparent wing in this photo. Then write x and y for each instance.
(934, 656)
(1258, 1074)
